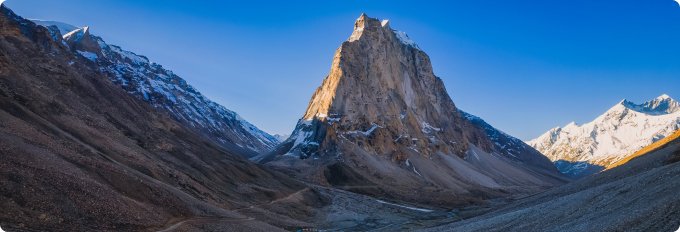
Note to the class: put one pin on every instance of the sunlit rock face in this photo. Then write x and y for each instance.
(381, 93)
(382, 118)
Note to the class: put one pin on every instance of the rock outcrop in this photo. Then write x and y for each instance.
(639, 195)
(383, 123)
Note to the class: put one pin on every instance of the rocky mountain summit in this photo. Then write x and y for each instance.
(580, 150)
(383, 123)
(163, 89)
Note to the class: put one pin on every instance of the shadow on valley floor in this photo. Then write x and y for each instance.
(577, 169)
(674, 158)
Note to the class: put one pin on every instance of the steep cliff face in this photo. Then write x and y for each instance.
(164, 90)
(381, 93)
(382, 118)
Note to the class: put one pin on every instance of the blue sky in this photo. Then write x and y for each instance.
(524, 66)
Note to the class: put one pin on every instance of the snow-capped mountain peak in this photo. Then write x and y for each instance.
(164, 90)
(663, 104)
(623, 129)
(663, 97)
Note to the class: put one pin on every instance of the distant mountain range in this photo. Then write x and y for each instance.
(639, 194)
(580, 150)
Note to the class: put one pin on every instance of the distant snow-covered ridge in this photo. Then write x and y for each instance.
(163, 89)
(627, 127)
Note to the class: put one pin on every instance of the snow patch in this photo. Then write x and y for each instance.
(356, 34)
(409, 164)
(368, 132)
(406, 207)
(163, 88)
(427, 128)
(77, 34)
(301, 138)
(89, 55)
(64, 28)
(281, 138)
(404, 39)
(129, 55)
(358, 30)
(416, 171)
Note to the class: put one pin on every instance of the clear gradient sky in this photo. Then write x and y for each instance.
(524, 66)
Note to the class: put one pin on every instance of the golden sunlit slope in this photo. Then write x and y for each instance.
(653, 147)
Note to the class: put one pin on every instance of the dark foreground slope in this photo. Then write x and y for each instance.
(641, 195)
(77, 153)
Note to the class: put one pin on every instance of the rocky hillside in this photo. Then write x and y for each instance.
(163, 90)
(640, 195)
(382, 123)
(580, 150)
(79, 153)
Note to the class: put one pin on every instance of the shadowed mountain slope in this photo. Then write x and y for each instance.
(78, 153)
(164, 90)
(640, 195)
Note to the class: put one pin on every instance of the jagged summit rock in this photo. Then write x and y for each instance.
(581, 150)
(381, 118)
(379, 84)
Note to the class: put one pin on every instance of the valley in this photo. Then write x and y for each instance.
(97, 138)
